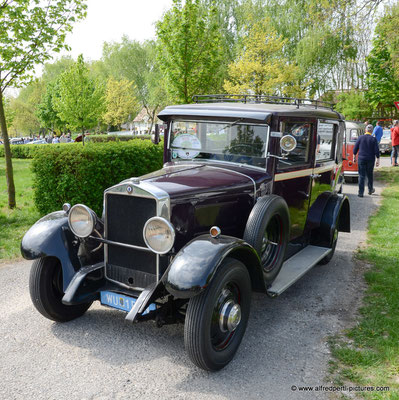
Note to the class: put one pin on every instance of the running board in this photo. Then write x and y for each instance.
(295, 267)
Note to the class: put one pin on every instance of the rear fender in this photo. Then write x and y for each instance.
(51, 236)
(194, 267)
(336, 214)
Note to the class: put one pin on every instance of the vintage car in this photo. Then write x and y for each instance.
(350, 168)
(386, 141)
(247, 200)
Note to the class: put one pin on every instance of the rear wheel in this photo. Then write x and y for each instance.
(217, 318)
(46, 291)
(330, 255)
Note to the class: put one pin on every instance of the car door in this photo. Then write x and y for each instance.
(327, 159)
(293, 174)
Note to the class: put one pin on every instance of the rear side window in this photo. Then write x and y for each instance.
(325, 141)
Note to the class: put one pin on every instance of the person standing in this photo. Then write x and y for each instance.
(367, 147)
(378, 131)
(395, 143)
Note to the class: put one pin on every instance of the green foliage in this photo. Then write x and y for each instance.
(22, 150)
(262, 67)
(120, 101)
(115, 138)
(135, 62)
(190, 53)
(30, 31)
(80, 102)
(353, 105)
(382, 82)
(45, 111)
(80, 174)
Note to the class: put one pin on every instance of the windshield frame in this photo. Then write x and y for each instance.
(233, 122)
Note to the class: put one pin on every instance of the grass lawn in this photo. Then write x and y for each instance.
(368, 354)
(14, 223)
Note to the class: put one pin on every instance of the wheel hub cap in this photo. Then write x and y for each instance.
(230, 316)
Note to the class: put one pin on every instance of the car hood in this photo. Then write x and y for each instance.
(196, 179)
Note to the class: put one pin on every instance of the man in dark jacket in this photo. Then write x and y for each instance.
(367, 147)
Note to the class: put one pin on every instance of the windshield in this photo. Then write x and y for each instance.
(386, 134)
(234, 141)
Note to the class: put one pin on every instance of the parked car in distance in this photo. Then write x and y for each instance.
(38, 141)
(352, 131)
(247, 200)
(386, 141)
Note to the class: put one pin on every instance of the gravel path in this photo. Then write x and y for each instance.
(100, 356)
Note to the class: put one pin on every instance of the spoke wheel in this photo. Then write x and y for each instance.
(217, 318)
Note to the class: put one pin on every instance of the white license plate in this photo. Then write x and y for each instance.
(122, 302)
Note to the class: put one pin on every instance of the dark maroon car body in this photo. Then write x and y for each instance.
(208, 189)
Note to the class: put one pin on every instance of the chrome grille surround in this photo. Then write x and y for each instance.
(136, 188)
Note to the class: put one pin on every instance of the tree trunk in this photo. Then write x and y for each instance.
(7, 153)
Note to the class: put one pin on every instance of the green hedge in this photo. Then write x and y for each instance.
(114, 138)
(21, 150)
(80, 174)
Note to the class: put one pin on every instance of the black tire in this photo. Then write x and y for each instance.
(207, 345)
(330, 255)
(268, 231)
(46, 292)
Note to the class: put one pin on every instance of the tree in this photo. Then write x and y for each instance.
(120, 101)
(383, 85)
(45, 112)
(353, 105)
(189, 50)
(30, 32)
(80, 103)
(136, 62)
(262, 68)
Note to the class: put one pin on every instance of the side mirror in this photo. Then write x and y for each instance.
(288, 143)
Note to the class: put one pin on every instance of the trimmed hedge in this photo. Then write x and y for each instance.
(21, 150)
(114, 138)
(29, 150)
(80, 174)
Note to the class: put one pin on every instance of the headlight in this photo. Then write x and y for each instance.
(81, 220)
(159, 235)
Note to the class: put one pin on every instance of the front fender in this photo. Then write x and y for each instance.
(51, 236)
(195, 265)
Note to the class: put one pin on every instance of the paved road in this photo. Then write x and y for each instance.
(99, 356)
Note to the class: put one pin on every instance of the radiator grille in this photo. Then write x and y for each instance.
(125, 219)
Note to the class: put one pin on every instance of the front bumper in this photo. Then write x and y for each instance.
(351, 173)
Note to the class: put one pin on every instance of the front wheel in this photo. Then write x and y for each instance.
(217, 318)
(46, 291)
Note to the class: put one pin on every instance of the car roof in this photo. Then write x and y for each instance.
(260, 113)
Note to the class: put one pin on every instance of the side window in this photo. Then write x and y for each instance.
(325, 141)
(302, 132)
(354, 135)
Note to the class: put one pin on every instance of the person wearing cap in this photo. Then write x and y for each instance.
(367, 147)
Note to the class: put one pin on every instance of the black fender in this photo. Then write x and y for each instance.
(335, 215)
(195, 265)
(51, 236)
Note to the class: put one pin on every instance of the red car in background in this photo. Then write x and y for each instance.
(352, 131)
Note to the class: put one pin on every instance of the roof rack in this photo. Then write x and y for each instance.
(260, 99)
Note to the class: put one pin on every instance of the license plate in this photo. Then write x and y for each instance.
(122, 302)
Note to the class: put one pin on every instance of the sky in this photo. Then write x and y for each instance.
(109, 20)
